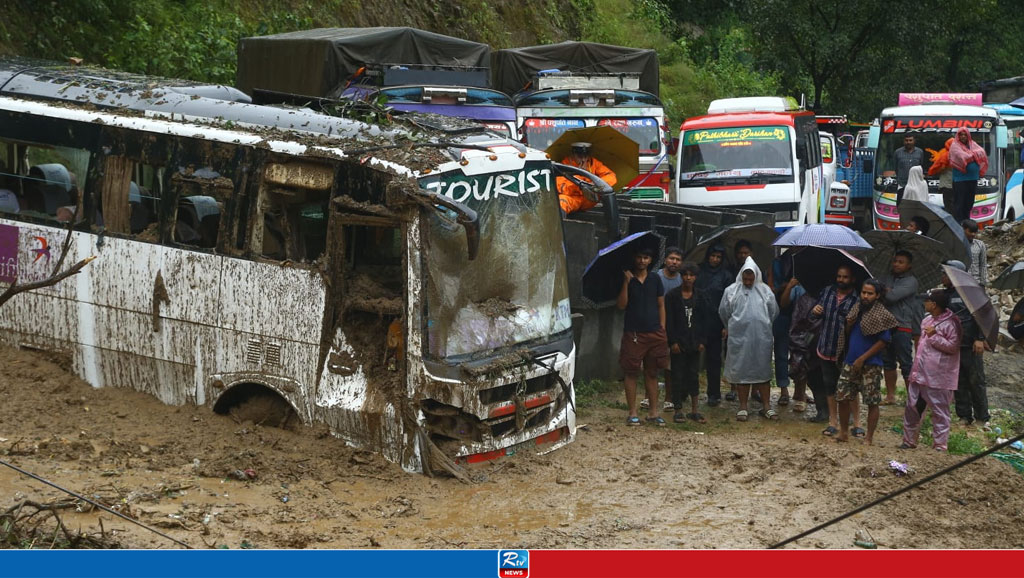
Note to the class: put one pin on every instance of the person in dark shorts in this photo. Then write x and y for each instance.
(901, 300)
(834, 304)
(870, 326)
(686, 313)
(644, 346)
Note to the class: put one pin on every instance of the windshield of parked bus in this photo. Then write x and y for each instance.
(731, 152)
(516, 290)
(931, 143)
(643, 131)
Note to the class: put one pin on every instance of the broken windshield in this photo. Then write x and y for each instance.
(516, 290)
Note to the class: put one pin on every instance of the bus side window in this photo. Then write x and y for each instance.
(197, 217)
(42, 182)
(295, 225)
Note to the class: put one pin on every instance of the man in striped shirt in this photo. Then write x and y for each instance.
(833, 305)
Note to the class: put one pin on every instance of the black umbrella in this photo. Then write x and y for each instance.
(759, 235)
(941, 226)
(1011, 278)
(977, 301)
(928, 255)
(602, 279)
(815, 267)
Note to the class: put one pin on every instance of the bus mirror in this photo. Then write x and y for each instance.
(673, 146)
(1001, 136)
(868, 165)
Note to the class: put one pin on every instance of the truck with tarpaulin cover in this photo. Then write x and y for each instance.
(559, 87)
(402, 68)
(413, 298)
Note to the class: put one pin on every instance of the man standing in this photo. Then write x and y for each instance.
(901, 300)
(870, 326)
(834, 304)
(748, 308)
(685, 313)
(971, 398)
(712, 279)
(904, 158)
(644, 345)
(782, 274)
(670, 279)
(570, 197)
(978, 267)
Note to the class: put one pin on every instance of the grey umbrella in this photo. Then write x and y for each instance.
(822, 235)
(928, 254)
(977, 301)
(1011, 278)
(941, 226)
(759, 235)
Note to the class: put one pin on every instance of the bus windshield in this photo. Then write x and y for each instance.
(931, 142)
(731, 152)
(516, 290)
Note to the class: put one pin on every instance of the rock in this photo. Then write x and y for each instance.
(565, 481)
(144, 449)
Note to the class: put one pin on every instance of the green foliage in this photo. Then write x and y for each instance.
(593, 393)
(960, 443)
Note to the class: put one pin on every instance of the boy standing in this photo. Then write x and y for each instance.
(870, 327)
(901, 300)
(670, 279)
(685, 314)
(644, 345)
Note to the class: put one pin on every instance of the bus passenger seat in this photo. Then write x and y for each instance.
(198, 221)
(53, 187)
(140, 213)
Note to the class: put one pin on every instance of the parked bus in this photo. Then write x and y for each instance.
(931, 124)
(760, 153)
(1013, 171)
(250, 253)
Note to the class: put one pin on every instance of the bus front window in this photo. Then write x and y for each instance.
(516, 290)
(932, 143)
(732, 153)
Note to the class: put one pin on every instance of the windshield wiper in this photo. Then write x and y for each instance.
(463, 215)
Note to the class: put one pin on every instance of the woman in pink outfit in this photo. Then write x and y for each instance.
(933, 378)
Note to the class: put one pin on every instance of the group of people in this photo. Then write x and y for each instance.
(844, 344)
(958, 167)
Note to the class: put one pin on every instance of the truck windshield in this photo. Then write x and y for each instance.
(729, 153)
(539, 133)
(932, 143)
(516, 290)
(643, 131)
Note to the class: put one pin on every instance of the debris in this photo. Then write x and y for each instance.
(863, 539)
(238, 475)
(250, 473)
(564, 481)
(899, 469)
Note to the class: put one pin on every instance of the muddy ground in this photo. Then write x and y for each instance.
(720, 485)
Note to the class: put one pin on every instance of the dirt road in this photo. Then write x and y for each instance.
(721, 485)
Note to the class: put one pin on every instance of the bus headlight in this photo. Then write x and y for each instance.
(786, 215)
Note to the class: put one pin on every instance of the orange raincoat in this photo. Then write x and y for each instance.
(570, 197)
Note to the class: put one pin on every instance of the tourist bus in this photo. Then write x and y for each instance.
(267, 257)
(565, 101)
(932, 123)
(1013, 172)
(760, 153)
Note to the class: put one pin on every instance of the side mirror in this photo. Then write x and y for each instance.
(868, 165)
(673, 146)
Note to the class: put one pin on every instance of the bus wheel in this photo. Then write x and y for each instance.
(258, 404)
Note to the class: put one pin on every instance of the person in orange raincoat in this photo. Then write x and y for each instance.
(942, 168)
(570, 197)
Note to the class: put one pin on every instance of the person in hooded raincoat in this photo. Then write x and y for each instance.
(570, 197)
(916, 189)
(747, 309)
(969, 162)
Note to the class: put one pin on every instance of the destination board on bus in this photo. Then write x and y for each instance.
(936, 124)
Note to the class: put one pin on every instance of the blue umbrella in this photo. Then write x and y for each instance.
(1011, 278)
(823, 235)
(941, 226)
(602, 279)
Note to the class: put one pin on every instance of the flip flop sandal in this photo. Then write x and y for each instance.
(731, 396)
(658, 421)
(644, 404)
(632, 421)
(768, 414)
(858, 432)
(679, 418)
(906, 446)
(799, 406)
(741, 415)
(783, 400)
(829, 431)
(699, 418)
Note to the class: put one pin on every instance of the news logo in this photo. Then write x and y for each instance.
(513, 563)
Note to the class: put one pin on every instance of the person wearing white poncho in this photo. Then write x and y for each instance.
(747, 309)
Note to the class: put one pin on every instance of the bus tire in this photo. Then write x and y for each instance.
(259, 404)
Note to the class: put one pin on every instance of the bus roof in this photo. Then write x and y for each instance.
(743, 119)
(1005, 109)
(939, 110)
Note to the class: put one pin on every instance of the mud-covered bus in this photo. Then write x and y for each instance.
(760, 153)
(932, 124)
(390, 285)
